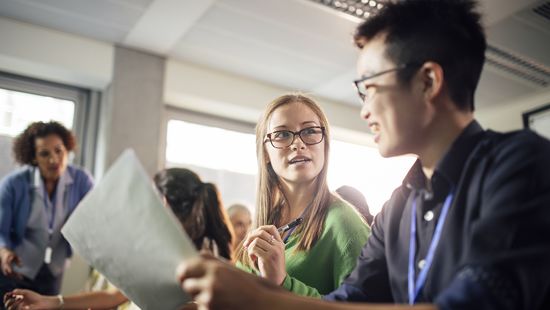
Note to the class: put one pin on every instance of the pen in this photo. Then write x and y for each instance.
(290, 225)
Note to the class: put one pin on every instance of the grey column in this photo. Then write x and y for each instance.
(131, 110)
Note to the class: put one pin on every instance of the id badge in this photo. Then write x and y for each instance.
(48, 255)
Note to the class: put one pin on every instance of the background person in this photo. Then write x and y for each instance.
(241, 219)
(198, 208)
(357, 200)
(35, 202)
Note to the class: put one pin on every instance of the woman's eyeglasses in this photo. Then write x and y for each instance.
(281, 139)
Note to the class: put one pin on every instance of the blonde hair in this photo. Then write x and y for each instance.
(271, 200)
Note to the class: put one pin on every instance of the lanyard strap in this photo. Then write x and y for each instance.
(289, 233)
(415, 288)
(50, 214)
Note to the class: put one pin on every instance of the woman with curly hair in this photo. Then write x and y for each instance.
(35, 202)
(199, 209)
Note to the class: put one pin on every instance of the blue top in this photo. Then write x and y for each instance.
(494, 248)
(16, 197)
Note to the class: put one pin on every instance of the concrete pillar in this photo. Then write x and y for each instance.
(132, 108)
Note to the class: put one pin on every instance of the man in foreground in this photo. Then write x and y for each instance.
(469, 227)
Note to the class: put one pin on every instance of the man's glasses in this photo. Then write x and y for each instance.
(281, 139)
(367, 90)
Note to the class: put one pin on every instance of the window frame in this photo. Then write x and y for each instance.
(180, 114)
(85, 119)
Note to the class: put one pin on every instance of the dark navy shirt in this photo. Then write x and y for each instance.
(494, 251)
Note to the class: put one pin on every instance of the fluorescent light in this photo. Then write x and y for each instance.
(357, 8)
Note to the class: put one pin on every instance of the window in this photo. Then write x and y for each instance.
(24, 100)
(211, 147)
(363, 168)
(538, 120)
(220, 151)
(227, 158)
(18, 110)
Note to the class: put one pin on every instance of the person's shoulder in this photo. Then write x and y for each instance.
(79, 173)
(519, 140)
(20, 175)
(516, 148)
(341, 207)
(341, 215)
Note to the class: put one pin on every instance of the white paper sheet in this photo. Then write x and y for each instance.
(123, 230)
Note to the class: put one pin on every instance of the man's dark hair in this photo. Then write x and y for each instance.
(24, 149)
(448, 32)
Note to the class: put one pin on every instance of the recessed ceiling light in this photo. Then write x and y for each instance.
(358, 8)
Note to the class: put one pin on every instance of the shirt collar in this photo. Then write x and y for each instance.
(451, 165)
(64, 180)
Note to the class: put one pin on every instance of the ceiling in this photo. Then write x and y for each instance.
(294, 44)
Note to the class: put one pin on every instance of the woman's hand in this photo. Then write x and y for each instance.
(25, 299)
(265, 247)
(7, 257)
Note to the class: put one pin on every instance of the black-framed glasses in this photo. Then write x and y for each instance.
(366, 90)
(281, 139)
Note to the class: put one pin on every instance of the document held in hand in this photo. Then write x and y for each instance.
(123, 230)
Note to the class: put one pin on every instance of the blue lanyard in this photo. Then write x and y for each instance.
(50, 203)
(415, 288)
(289, 233)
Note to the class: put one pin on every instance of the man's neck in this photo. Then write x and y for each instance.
(443, 134)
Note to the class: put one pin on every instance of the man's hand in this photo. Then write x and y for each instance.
(214, 284)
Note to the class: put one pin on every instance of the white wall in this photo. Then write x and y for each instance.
(213, 92)
(508, 115)
(55, 56)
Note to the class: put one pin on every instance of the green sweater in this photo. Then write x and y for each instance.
(323, 268)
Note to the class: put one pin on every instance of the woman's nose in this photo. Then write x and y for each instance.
(297, 143)
(53, 159)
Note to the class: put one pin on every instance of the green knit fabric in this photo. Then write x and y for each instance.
(323, 268)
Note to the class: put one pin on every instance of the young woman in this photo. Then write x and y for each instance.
(195, 204)
(292, 144)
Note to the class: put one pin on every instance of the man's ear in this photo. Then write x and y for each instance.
(432, 78)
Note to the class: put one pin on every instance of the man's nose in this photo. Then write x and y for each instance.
(365, 112)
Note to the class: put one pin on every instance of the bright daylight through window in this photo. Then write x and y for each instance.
(350, 164)
(18, 110)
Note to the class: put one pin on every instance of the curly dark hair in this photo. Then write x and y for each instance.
(24, 144)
